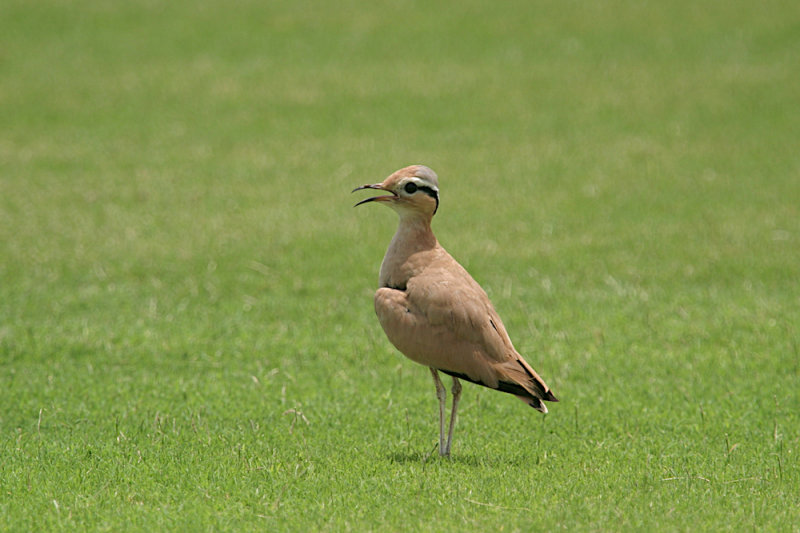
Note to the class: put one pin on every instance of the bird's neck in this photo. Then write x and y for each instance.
(414, 234)
(403, 258)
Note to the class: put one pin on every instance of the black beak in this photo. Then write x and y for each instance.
(378, 186)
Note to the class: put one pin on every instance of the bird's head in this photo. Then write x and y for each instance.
(414, 191)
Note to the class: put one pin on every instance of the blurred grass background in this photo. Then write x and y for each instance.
(186, 330)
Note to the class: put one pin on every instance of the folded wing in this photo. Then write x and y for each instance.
(446, 321)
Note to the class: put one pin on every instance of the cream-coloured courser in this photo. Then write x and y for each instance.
(435, 313)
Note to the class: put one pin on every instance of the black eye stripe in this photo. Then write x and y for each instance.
(433, 194)
(430, 192)
(411, 188)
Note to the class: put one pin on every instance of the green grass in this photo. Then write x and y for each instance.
(187, 339)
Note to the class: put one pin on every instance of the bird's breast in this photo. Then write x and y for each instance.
(397, 270)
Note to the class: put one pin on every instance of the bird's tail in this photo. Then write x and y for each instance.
(535, 402)
(531, 388)
(518, 378)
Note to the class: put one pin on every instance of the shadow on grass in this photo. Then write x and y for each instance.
(433, 457)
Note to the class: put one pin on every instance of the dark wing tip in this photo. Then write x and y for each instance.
(550, 397)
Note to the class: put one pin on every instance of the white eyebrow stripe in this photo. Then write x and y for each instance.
(420, 182)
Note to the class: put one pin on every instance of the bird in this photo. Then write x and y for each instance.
(435, 313)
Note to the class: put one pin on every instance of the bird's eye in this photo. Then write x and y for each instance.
(410, 187)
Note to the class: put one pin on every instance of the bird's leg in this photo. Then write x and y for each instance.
(456, 390)
(441, 393)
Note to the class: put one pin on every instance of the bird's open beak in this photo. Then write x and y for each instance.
(385, 198)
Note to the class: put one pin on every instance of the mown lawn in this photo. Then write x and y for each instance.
(187, 340)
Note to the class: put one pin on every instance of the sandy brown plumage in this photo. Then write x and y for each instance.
(434, 312)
